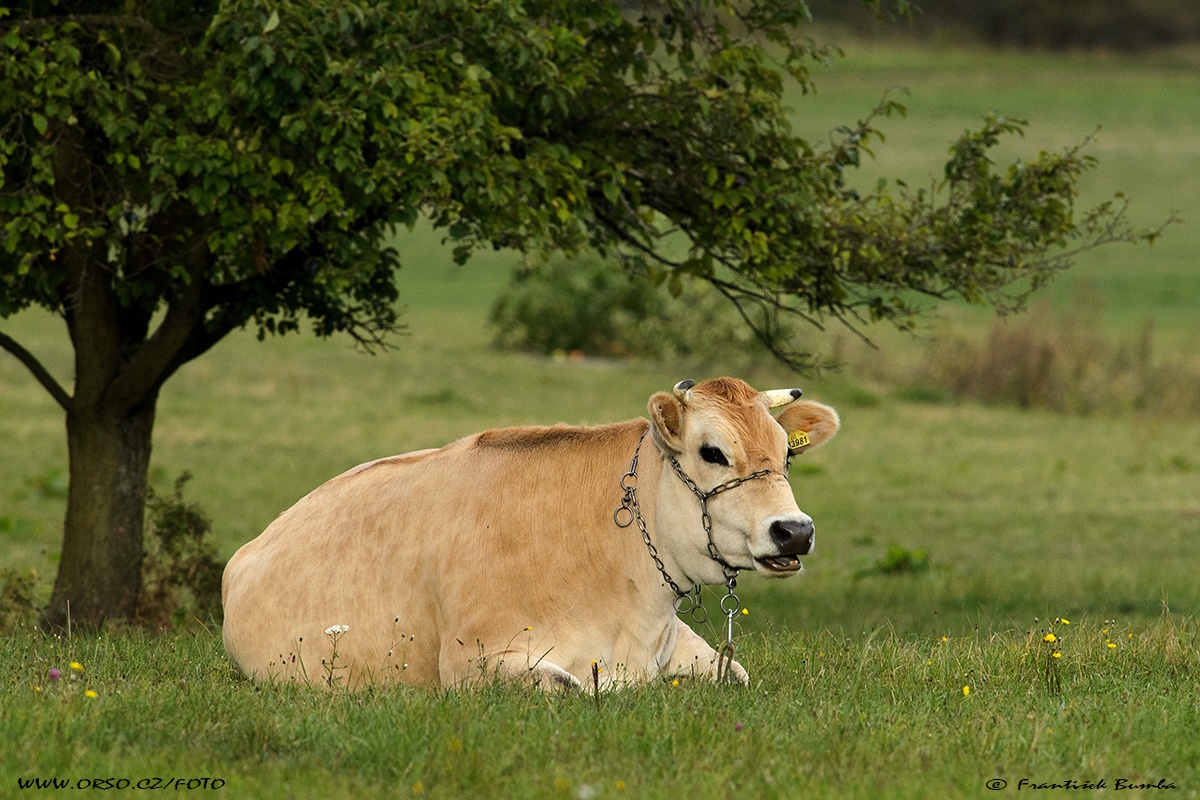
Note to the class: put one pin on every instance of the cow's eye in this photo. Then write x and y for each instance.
(713, 455)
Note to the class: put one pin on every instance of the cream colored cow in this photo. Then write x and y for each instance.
(500, 556)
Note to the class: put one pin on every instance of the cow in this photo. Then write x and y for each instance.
(512, 554)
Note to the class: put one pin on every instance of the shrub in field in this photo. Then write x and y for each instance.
(591, 305)
(585, 304)
(17, 608)
(181, 574)
(1062, 364)
(898, 561)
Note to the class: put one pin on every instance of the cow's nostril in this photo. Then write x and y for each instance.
(793, 536)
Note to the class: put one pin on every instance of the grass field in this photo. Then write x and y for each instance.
(829, 716)
(952, 535)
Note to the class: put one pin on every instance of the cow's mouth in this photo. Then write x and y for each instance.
(780, 564)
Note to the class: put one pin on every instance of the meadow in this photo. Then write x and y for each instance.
(910, 660)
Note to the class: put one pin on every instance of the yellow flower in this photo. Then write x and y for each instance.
(37, 688)
(1056, 654)
(1065, 621)
(90, 693)
(75, 665)
(620, 786)
(1110, 645)
(944, 639)
(675, 682)
(745, 611)
(1049, 637)
(966, 691)
(418, 788)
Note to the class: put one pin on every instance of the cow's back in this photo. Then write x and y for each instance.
(500, 535)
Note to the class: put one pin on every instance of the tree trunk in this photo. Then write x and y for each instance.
(99, 574)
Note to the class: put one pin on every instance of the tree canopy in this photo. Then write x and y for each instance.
(245, 163)
(173, 171)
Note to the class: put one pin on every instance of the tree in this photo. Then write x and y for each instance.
(174, 171)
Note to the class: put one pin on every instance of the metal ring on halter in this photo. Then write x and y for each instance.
(684, 604)
(617, 517)
(737, 604)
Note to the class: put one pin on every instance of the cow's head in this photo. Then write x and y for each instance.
(717, 432)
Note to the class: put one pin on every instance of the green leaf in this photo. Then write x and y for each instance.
(272, 22)
(40, 123)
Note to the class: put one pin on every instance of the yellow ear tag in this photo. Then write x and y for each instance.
(797, 439)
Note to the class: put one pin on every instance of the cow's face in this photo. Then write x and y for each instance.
(723, 430)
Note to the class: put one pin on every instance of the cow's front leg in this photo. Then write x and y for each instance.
(692, 656)
(516, 665)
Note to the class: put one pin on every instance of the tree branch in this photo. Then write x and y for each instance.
(42, 374)
(791, 358)
(624, 235)
(159, 355)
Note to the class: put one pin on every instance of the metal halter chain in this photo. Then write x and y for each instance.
(730, 603)
(628, 513)
(685, 602)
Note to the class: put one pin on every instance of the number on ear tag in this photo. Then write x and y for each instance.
(797, 439)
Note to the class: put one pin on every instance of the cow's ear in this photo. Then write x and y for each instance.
(808, 425)
(666, 421)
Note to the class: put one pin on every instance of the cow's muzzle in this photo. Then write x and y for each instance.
(793, 538)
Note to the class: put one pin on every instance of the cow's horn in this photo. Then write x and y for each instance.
(781, 397)
(683, 390)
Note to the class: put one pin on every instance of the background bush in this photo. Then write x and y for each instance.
(582, 304)
(181, 575)
(587, 305)
(1065, 362)
(17, 607)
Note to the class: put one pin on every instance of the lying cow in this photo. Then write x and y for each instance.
(511, 553)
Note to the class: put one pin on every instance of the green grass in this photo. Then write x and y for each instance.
(1024, 516)
(827, 715)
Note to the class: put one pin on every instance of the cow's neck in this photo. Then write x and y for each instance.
(678, 529)
(669, 509)
(656, 557)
